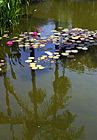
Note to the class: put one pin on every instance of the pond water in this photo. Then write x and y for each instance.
(58, 102)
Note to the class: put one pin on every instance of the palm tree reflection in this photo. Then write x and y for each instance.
(47, 119)
(53, 121)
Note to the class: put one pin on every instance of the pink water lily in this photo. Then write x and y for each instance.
(9, 43)
(34, 33)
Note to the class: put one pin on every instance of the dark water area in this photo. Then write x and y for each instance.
(58, 102)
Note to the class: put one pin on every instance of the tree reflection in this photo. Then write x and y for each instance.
(48, 119)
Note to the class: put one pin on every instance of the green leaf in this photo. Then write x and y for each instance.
(17, 11)
(0, 38)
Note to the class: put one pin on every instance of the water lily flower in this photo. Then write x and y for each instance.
(9, 43)
(34, 33)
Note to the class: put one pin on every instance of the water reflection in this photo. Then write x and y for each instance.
(66, 13)
(83, 62)
(47, 119)
(44, 118)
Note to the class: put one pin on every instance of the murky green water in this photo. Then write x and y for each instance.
(60, 101)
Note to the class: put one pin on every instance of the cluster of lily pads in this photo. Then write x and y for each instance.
(67, 43)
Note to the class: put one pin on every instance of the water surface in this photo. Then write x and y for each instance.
(56, 103)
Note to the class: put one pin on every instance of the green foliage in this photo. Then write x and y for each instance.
(8, 12)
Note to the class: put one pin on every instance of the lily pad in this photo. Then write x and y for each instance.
(79, 48)
(50, 56)
(74, 51)
(18, 40)
(68, 51)
(31, 57)
(56, 57)
(28, 61)
(35, 46)
(27, 45)
(42, 45)
(85, 48)
(56, 53)
(41, 67)
(21, 45)
(34, 68)
(65, 54)
(60, 28)
(32, 64)
(53, 31)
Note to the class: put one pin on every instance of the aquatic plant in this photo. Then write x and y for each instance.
(34, 33)
(8, 12)
(68, 43)
(9, 43)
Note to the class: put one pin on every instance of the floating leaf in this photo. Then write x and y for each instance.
(50, 56)
(75, 37)
(78, 41)
(31, 40)
(74, 51)
(39, 34)
(79, 47)
(2, 60)
(52, 61)
(43, 37)
(91, 41)
(28, 61)
(42, 45)
(5, 35)
(53, 31)
(35, 46)
(65, 54)
(85, 48)
(56, 53)
(65, 34)
(15, 37)
(56, 57)
(32, 64)
(34, 68)
(60, 27)
(68, 51)
(41, 67)
(65, 30)
(27, 45)
(31, 57)
(82, 39)
(21, 45)
(18, 41)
